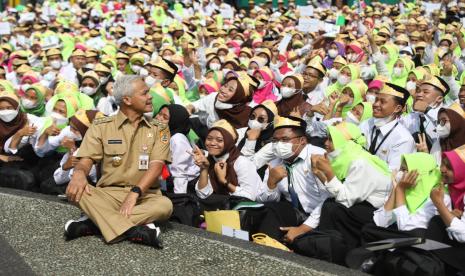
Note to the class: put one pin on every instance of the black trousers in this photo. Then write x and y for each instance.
(347, 221)
(372, 233)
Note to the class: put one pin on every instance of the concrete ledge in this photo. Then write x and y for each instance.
(32, 225)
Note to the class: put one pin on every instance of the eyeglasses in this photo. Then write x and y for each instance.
(442, 122)
(260, 119)
(284, 139)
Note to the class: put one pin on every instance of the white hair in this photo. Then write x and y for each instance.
(124, 87)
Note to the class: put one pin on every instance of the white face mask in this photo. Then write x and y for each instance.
(443, 131)
(143, 72)
(28, 104)
(351, 118)
(399, 176)
(288, 92)
(226, 71)
(283, 150)
(352, 57)
(148, 115)
(254, 124)
(367, 72)
(50, 76)
(168, 58)
(411, 85)
(222, 106)
(56, 64)
(136, 68)
(89, 66)
(103, 80)
(335, 153)
(397, 72)
(222, 59)
(25, 87)
(262, 84)
(384, 58)
(215, 66)
(59, 119)
(89, 91)
(74, 136)
(343, 79)
(150, 81)
(243, 60)
(371, 98)
(333, 73)
(223, 157)
(8, 115)
(332, 53)
(250, 72)
(379, 122)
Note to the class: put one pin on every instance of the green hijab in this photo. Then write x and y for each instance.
(159, 15)
(357, 98)
(402, 79)
(7, 86)
(348, 140)
(429, 176)
(393, 53)
(40, 108)
(367, 111)
(337, 87)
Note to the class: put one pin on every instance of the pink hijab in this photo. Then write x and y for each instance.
(457, 189)
(266, 92)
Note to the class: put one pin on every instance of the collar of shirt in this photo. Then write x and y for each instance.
(121, 118)
(387, 127)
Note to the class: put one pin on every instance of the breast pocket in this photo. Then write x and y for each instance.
(114, 149)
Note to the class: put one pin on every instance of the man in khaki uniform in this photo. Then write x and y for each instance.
(131, 151)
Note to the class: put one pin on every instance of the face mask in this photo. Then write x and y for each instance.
(148, 115)
(384, 58)
(444, 48)
(143, 72)
(103, 80)
(283, 150)
(25, 87)
(371, 98)
(443, 131)
(343, 80)
(74, 136)
(352, 119)
(379, 122)
(215, 66)
(288, 92)
(332, 53)
(59, 119)
(28, 104)
(367, 73)
(333, 73)
(89, 66)
(136, 68)
(226, 71)
(399, 176)
(335, 153)
(250, 71)
(8, 115)
(223, 157)
(397, 72)
(56, 64)
(352, 57)
(150, 81)
(222, 59)
(254, 124)
(262, 84)
(168, 58)
(50, 76)
(411, 85)
(146, 58)
(89, 91)
(222, 106)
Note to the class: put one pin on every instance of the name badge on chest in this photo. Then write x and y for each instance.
(144, 159)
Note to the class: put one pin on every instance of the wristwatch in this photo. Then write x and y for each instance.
(137, 190)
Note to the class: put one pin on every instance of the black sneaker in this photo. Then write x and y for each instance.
(80, 228)
(145, 235)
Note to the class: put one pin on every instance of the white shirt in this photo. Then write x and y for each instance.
(182, 167)
(247, 177)
(53, 142)
(399, 141)
(456, 230)
(205, 108)
(32, 120)
(62, 176)
(105, 106)
(309, 189)
(263, 156)
(363, 182)
(412, 122)
(406, 221)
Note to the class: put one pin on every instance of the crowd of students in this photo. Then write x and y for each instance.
(360, 131)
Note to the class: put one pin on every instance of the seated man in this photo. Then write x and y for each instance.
(131, 152)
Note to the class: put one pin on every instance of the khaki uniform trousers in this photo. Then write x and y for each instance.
(103, 204)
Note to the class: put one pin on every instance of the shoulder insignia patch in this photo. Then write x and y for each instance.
(102, 120)
(164, 135)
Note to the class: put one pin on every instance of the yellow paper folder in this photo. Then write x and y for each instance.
(216, 219)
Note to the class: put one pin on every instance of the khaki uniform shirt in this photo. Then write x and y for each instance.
(117, 145)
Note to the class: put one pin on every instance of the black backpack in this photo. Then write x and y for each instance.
(185, 209)
(328, 246)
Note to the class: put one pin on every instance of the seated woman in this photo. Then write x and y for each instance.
(351, 95)
(184, 173)
(17, 130)
(225, 171)
(449, 226)
(408, 205)
(267, 89)
(358, 181)
(230, 103)
(291, 94)
(78, 124)
(33, 101)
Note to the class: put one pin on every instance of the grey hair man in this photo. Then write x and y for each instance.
(131, 152)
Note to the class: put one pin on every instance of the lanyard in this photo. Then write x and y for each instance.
(384, 139)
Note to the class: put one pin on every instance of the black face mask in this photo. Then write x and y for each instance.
(95, 20)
